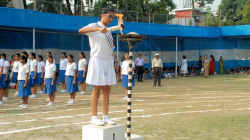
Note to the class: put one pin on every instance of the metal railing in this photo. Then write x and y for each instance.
(130, 16)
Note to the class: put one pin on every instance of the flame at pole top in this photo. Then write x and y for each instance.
(120, 16)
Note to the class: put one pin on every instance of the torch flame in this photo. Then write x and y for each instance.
(120, 16)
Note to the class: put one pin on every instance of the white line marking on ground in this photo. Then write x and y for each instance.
(141, 116)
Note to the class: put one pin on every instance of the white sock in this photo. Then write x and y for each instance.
(94, 117)
(105, 116)
(70, 99)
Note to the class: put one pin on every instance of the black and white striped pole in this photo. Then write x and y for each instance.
(130, 72)
(129, 38)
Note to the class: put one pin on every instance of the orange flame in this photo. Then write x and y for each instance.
(120, 17)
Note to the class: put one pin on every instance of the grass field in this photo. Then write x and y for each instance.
(190, 108)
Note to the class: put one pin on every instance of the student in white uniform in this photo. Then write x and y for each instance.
(71, 79)
(24, 53)
(101, 72)
(124, 74)
(63, 64)
(50, 80)
(7, 77)
(15, 71)
(47, 62)
(40, 73)
(33, 74)
(82, 71)
(2, 79)
(24, 85)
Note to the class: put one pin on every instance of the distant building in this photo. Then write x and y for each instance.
(183, 16)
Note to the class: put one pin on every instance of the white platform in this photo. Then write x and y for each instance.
(107, 132)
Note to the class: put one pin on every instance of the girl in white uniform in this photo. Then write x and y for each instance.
(101, 72)
(71, 79)
(40, 73)
(50, 80)
(63, 64)
(7, 77)
(24, 85)
(124, 74)
(82, 71)
(33, 74)
(15, 71)
(2, 79)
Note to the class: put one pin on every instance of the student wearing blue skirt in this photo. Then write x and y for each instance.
(63, 64)
(50, 80)
(124, 74)
(82, 71)
(2, 79)
(40, 73)
(33, 74)
(24, 85)
(71, 79)
(15, 71)
(7, 77)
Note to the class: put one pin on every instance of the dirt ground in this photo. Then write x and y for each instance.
(185, 108)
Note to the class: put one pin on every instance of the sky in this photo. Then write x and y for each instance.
(214, 6)
(179, 4)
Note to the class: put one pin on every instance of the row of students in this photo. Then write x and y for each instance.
(38, 75)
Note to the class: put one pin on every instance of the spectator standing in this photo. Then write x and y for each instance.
(139, 62)
(221, 64)
(200, 64)
(157, 68)
(212, 65)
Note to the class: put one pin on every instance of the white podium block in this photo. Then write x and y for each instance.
(107, 132)
(135, 137)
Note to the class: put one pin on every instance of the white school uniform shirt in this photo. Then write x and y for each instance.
(50, 68)
(33, 64)
(70, 69)
(6, 64)
(125, 67)
(40, 66)
(1, 63)
(99, 44)
(81, 64)
(63, 64)
(16, 66)
(22, 71)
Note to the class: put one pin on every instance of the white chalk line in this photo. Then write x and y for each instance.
(120, 106)
(81, 115)
(60, 117)
(141, 116)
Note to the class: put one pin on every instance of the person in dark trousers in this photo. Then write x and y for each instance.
(157, 68)
(200, 64)
(139, 62)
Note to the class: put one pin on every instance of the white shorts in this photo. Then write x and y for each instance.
(101, 72)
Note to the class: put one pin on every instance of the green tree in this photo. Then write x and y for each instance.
(4, 3)
(233, 10)
(210, 20)
(246, 13)
(150, 10)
